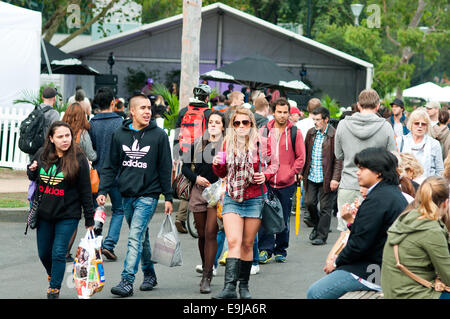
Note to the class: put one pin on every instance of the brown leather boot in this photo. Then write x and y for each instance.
(205, 284)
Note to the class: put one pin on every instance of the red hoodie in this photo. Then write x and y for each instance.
(253, 190)
(289, 165)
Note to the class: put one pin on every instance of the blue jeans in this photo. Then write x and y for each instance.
(255, 251)
(115, 225)
(334, 285)
(445, 295)
(52, 241)
(277, 244)
(138, 213)
(220, 243)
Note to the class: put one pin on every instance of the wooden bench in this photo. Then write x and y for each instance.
(363, 294)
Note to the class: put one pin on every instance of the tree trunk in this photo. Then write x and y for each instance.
(190, 49)
(52, 25)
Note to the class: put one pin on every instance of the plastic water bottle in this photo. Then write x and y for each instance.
(99, 219)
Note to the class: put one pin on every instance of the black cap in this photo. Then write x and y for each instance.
(399, 103)
(49, 92)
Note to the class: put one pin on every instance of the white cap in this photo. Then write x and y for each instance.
(433, 105)
(292, 103)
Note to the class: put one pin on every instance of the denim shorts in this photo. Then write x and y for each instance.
(247, 208)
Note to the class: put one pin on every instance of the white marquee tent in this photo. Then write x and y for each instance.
(20, 57)
(429, 92)
(227, 35)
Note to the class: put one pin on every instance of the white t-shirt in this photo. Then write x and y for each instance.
(305, 125)
(398, 129)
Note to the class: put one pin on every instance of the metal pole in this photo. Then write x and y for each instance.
(219, 40)
(49, 68)
(308, 22)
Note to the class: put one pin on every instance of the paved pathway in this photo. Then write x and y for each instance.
(23, 276)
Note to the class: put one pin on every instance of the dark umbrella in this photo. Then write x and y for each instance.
(63, 63)
(256, 72)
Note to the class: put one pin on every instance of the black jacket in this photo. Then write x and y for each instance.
(141, 160)
(202, 159)
(103, 126)
(368, 233)
(62, 199)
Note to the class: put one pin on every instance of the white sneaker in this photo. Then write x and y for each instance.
(199, 269)
(254, 270)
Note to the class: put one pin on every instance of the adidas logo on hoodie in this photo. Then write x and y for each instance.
(135, 153)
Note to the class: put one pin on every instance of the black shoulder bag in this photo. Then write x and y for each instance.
(272, 212)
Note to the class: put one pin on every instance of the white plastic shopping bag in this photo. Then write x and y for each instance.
(88, 272)
(214, 192)
(167, 247)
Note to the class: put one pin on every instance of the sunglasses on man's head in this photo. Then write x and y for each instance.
(244, 122)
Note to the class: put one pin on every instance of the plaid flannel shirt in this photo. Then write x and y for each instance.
(240, 176)
(316, 170)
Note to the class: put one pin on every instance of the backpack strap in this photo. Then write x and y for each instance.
(78, 137)
(294, 138)
(265, 133)
(46, 108)
(438, 285)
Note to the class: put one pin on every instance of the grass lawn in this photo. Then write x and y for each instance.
(13, 200)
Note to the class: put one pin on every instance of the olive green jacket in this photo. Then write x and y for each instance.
(424, 248)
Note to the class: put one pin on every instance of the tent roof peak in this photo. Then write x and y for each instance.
(215, 7)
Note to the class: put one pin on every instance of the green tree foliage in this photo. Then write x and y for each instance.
(391, 46)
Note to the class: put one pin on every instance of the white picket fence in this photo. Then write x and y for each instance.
(10, 154)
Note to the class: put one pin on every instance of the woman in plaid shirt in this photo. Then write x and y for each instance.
(242, 204)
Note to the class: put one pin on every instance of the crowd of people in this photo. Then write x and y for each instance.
(385, 178)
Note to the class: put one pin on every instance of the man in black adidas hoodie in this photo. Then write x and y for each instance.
(140, 156)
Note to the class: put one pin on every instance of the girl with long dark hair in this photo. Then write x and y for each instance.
(61, 172)
(202, 176)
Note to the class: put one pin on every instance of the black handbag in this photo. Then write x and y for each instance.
(32, 219)
(272, 218)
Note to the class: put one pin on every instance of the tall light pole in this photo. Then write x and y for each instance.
(356, 9)
(425, 31)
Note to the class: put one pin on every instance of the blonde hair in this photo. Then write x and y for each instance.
(159, 100)
(419, 114)
(446, 173)
(256, 94)
(235, 95)
(430, 195)
(408, 161)
(231, 136)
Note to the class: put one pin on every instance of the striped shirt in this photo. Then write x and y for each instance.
(316, 170)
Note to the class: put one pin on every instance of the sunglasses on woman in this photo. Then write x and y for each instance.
(420, 124)
(246, 123)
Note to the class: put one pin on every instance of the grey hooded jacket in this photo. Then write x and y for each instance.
(356, 133)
